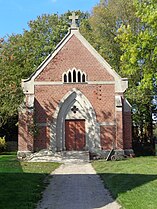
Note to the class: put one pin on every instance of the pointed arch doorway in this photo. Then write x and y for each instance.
(75, 134)
(75, 130)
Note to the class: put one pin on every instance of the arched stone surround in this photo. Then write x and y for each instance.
(85, 111)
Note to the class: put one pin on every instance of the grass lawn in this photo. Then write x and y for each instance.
(21, 183)
(133, 182)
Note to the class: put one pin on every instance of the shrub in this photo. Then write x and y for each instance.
(3, 144)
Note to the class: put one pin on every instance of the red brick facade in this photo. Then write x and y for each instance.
(114, 123)
(74, 54)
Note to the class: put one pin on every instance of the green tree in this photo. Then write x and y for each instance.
(102, 27)
(139, 63)
(21, 54)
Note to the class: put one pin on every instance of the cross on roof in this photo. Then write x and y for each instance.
(73, 18)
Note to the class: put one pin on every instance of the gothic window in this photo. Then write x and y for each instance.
(83, 78)
(79, 76)
(69, 77)
(74, 76)
(65, 78)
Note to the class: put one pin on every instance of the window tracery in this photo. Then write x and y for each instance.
(74, 76)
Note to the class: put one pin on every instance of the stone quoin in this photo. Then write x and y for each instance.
(74, 101)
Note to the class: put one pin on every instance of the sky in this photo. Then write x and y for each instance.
(15, 14)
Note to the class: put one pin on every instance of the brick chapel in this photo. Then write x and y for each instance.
(74, 101)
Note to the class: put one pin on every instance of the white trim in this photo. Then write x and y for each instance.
(107, 124)
(28, 87)
(48, 83)
(118, 101)
(119, 109)
(101, 82)
(127, 106)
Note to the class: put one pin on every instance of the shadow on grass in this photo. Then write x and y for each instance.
(20, 190)
(121, 183)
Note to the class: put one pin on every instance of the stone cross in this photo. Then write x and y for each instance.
(73, 18)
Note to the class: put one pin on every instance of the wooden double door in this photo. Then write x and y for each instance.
(74, 135)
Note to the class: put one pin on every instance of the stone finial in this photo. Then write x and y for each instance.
(73, 18)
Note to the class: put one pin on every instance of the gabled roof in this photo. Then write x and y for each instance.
(121, 84)
(75, 32)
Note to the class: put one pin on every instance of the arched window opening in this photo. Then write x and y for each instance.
(83, 78)
(65, 78)
(69, 77)
(79, 77)
(74, 76)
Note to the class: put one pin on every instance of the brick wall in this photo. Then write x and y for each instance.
(127, 127)
(119, 130)
(47, 98)
(42, 140)
(107, 136)
(74, 54)
(25, 136)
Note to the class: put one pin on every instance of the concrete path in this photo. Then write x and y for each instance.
(76, 186)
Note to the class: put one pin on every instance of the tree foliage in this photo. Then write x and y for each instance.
(139, 62)
(21, 54)
(123, 32)
(102, 27)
